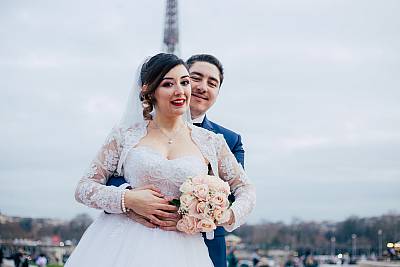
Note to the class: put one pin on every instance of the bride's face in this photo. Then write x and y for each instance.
(173, 94)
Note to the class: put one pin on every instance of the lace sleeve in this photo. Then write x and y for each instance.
(232, 172)
(91, 189)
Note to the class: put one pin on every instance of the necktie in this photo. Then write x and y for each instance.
(198, 124)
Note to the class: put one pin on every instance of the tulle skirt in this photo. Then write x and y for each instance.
(113, 240)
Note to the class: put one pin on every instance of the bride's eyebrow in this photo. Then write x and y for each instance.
(169, 78)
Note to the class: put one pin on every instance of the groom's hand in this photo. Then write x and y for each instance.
(140, 219)
(170, 224)
(170, 221)
(148, 202)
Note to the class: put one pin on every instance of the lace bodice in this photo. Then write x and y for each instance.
(142, 165)
(145, 166)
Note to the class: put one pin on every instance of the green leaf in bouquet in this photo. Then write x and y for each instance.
(175, 202)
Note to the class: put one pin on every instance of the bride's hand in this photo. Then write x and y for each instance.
(148, 202)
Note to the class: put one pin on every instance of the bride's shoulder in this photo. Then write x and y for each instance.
(137, 127)
(205, 134)
(124, 132)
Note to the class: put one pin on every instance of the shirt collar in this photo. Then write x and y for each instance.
(199, 119)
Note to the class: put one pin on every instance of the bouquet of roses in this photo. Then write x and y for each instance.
(203, 204)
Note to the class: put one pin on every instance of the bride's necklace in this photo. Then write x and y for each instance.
(171, 137)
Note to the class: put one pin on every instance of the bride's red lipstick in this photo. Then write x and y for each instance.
(178, 102)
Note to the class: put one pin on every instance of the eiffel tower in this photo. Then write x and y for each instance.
(171, 28)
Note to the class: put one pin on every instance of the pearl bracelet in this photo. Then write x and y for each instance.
(123, 207)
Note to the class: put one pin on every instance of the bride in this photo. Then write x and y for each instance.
(155, 144)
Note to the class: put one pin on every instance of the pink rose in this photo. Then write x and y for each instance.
(225, 204)
(221, 215)
(201, 191)
(221, 185)
(187, 224)
(213, 181)
(199, 210)
(217, 184)
(218, 214)
(206, 225)
(201, 207)
(218, 199)
(192, 207)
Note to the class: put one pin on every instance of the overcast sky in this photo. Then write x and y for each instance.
(313, 87)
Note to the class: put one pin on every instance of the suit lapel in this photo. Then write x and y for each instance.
(206, 124)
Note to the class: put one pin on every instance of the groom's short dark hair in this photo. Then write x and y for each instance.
(209, 59)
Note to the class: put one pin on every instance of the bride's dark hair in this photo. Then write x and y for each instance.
(151, 75)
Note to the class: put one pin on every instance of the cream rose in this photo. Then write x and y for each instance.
(186, 187)
(206, 225)
(186, 200)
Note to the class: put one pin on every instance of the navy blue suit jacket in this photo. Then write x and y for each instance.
(216, 246)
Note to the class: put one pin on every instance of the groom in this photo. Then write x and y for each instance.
(207, 75)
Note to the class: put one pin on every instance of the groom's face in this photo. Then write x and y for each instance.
(205, 87)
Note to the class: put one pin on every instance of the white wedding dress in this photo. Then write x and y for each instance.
(116, 240)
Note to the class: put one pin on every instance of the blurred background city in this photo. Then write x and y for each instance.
(312, 87)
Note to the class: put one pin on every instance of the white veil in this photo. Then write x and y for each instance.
(133, 112)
